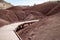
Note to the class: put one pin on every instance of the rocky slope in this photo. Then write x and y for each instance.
(4, 5)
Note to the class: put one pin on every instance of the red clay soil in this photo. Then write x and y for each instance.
(44, 7)
(54, 10)
(16, 16)
(24, 14)
(14, 8)
(34, 15)
(8, 15)
(3, 22)
(47, 29)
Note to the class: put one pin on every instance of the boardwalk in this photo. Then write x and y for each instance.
(7, 31)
